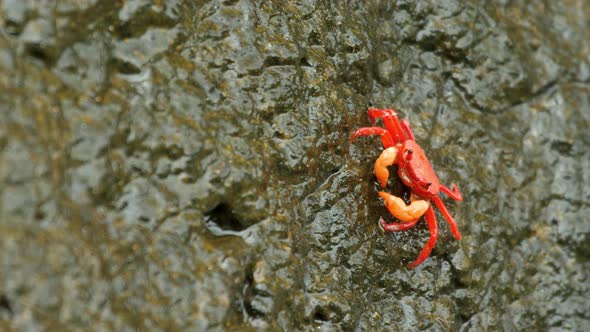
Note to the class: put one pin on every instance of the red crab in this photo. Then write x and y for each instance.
(416, 172)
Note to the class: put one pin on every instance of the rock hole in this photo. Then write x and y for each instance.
(5, 306)
(13, 28)
(304, 63)
(320, 315)
(562, 147)
(224, 217)
(36, 51)
(124, 67)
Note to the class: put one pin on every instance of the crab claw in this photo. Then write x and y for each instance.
(387, 158)
(398, 208)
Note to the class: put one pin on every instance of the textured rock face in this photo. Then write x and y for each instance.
(185, 165)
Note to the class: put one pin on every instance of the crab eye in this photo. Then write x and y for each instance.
(409, 154)
(424, 184)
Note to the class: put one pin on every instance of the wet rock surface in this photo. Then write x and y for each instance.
(186, 165)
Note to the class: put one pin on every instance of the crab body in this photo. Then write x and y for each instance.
(415, 172)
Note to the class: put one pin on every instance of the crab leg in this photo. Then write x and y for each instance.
(398, 208)
(454, 194)
(433, 228)
(406, 127)
(390, 121)
(443, 209)
(397, 226)
(367, 131)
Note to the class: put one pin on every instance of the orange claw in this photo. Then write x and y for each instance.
(398, 208)
(387, 158)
